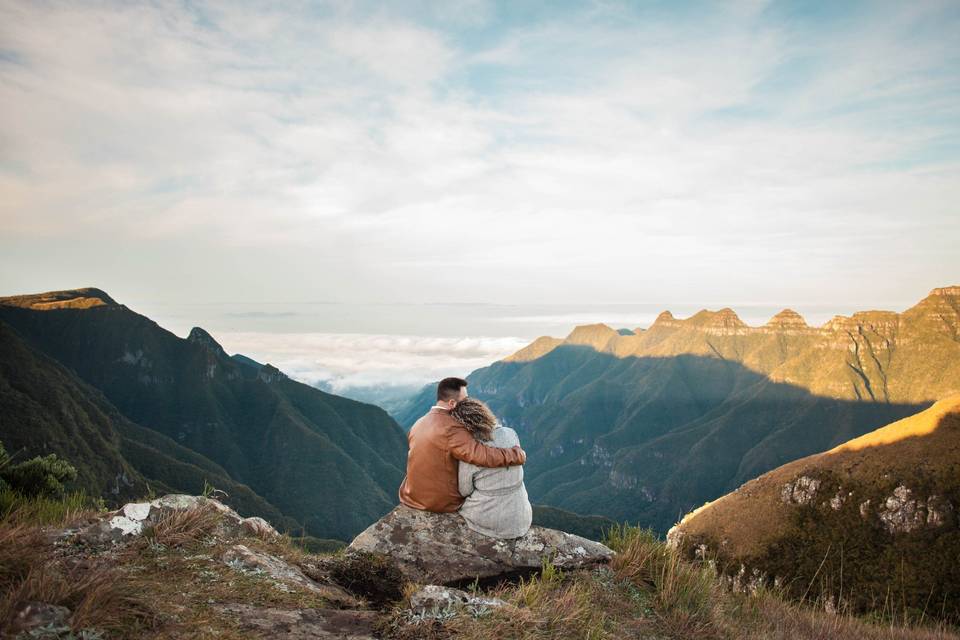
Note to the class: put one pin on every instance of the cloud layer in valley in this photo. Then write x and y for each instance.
(350, 361)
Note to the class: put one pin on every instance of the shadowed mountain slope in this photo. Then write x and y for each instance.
(647, 426)
(333, 464)
(45, 408)
(872, 518)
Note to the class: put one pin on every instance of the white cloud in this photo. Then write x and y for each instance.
(361, 360)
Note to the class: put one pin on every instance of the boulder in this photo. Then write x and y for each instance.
(439, 548)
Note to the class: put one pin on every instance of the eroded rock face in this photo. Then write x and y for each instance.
(800, 491)
(439, 548)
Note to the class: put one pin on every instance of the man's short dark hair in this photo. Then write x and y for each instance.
(449, 388)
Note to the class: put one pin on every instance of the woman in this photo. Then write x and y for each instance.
(496, 502)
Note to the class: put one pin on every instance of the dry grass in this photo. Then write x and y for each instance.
(767, 616)
(687, 597)
(184, 528)
(100, 594)
(648, 592)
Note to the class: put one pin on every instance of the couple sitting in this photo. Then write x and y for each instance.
(462, 459)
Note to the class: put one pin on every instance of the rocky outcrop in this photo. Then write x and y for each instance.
(788, 322)
(439, 548)
(131, 520)
(903, 512)
(800, 491)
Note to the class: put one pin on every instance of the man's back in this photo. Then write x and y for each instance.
(437, 441)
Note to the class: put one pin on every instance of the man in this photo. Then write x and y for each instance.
(437, 443)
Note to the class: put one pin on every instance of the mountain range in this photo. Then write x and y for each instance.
(134, 406)
(644, 425)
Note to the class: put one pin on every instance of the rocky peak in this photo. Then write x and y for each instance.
(942, 307)
(201, 337)
(945, 292)
(591, 335)
(536, 349)
(666, 319)
(270, 374)
(788, 319)
(84, 298)
(723, 322)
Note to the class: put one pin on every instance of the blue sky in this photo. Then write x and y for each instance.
(775, 153)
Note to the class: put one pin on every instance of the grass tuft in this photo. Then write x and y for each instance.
(184, 528)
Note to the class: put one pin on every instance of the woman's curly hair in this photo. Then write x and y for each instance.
(476, 417)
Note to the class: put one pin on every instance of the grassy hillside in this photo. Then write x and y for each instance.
(332, 464)
(871, 523)
(646, 426)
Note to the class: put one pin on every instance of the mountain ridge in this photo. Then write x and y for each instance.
(328, 462)
(645, 427)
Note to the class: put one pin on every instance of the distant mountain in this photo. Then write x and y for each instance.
(872, 519)
(330, 463)
(645, 427)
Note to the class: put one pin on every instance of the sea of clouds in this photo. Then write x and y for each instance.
(345, 361)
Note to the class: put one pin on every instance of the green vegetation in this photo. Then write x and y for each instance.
(90, 380)
(35, 477)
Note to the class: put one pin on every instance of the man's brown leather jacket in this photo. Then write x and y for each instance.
(437, 441)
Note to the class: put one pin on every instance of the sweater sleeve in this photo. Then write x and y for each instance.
(464, 447)
(465, 478)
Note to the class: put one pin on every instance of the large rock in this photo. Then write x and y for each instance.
(439, 548)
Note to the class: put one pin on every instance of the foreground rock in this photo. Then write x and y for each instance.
(285, 575)
(302, 624)
(131, 520)
(434, 597)
(439, 548)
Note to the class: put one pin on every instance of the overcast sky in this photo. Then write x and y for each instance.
(716, 153)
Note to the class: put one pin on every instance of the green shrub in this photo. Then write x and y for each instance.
(40, 476)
